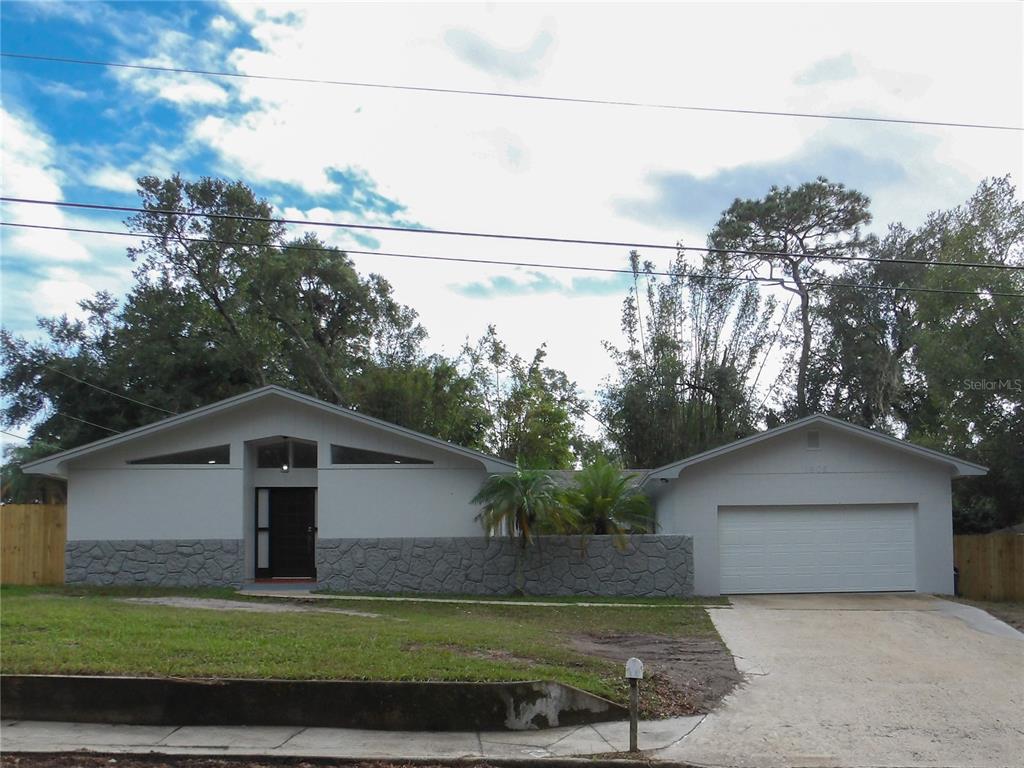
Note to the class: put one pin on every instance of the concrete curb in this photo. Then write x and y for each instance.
(374, 705)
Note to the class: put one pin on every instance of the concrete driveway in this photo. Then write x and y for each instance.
(865, 680)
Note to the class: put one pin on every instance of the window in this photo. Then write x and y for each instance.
(218, 454)
(304, 455)
(272, 455)
(343, 454)
(295, 454)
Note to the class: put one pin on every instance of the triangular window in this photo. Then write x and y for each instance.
(343, 454)
(218, 454)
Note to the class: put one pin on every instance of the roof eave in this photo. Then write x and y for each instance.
(53, 464)
(959, 467)
(968, 470)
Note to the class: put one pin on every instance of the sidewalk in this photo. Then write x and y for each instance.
(284, 741)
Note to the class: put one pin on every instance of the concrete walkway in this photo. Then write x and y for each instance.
(246, 606)
(276, 741)
(299, 594)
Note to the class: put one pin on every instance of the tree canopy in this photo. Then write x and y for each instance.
(225, 299)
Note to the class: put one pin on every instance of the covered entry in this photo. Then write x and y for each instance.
(857, 548)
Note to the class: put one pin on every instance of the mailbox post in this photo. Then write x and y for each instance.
(634, 673)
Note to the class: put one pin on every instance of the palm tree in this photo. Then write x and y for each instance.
(520, 503)
(608, 503)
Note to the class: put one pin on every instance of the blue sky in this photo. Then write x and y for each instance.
(333, 153)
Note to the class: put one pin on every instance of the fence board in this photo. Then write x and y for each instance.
(991, 566)
(32, 538)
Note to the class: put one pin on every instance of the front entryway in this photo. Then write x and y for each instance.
(286, 533)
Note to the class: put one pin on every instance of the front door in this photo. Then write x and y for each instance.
(293, 532)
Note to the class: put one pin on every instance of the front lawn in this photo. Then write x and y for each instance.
(91, 631)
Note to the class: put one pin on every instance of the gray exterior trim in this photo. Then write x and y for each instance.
(179, 563)
(649, 566)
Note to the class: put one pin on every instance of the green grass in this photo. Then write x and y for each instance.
(90, 631)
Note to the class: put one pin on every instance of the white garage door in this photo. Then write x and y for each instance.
(866, 548)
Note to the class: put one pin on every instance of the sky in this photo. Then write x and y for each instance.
(445, 161)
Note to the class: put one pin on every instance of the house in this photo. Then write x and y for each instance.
(273, 484)
(816, 505)
(246, 488)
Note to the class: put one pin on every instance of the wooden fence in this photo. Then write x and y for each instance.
(991, 566)
(32, 538)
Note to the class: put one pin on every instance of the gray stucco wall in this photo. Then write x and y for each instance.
(650, 565)
(179, 563)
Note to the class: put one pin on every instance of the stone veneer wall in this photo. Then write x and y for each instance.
(649, 566)
(177, 563)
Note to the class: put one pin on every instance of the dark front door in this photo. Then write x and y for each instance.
(293, 532)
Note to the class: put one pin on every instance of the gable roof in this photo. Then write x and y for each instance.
(52, 465)
(960, 467)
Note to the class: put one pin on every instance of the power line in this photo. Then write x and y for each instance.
(109, 392)
(11, 434)
(504, 94)
(84, 421)
(499, 236)
(776, 281)
(391, 254)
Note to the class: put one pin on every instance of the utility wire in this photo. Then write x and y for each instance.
(11, 434)
(504, 94)
(84, 421)
(776, 281)
(109, 392)
(499, 236)
(391, 254)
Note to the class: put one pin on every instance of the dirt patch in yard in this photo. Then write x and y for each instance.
(682, 676)
(490, 654)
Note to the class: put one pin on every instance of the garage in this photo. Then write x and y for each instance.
(815, 505)
(862, 548)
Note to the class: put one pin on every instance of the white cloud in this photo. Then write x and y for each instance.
(187, 89)
(558, 169)
(221, 25)
(61, 290)
(47, 272)
(520, 166)
(110, 178)
(30, 170)
(177, 50)
(61, 90)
